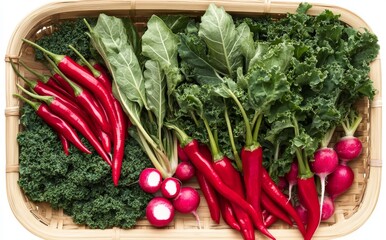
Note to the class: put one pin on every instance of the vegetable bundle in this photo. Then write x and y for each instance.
(88, 106)
(247, 101)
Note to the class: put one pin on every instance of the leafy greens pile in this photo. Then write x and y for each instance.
(79, 183)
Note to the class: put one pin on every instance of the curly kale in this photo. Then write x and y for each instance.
(80, 183)
(68, 32)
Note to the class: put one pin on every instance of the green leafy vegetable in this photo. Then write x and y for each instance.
(79, 183)
(155, 86)
(161, 44)
(131, 88)
(67, 32)
(218, 31)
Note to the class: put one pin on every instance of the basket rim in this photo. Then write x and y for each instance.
(15, 195)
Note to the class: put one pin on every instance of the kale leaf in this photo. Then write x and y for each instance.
(79, 183)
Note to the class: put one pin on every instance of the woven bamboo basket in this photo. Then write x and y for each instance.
(352, 209)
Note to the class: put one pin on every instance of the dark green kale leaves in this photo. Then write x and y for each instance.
(68, 32)
(81, 184)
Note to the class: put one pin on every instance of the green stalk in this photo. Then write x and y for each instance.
(151, 155)
(41, 77)
(351, 126)
(304, 168)
(248, 132)
(257, 127)
(232, 141)
(30, 83)
(212, 142)
(56, 57)
(35, 105)
(94, 72)
(75, 87)
(46, 99)
(183, 138)
(327, 138)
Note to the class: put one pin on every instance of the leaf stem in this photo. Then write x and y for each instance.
(248, 132)
(212, 142)
(232, 141)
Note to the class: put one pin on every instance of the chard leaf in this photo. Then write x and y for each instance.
(247, 46)
(112, 32)
(223, 40)
(155, 86)
(133, 37)
(128, 75)
(193, 52)
(176, 23)
(110, 39)
(160, 44)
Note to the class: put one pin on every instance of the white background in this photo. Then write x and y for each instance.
(13, 12)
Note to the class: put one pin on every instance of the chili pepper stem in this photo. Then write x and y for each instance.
(232, 141)
(94, 72)
(38, 75)
(46, 99)
(30, 83)
(56, 57)
(35, 105)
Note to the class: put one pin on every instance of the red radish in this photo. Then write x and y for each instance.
(185, 171)
(170, 187)
(325, 162)
(349, 147)
(328, 208)
(292, 178)
(159, 212)
(302, 212)
(339, 181)
(282, 183)
(187, 202)
(150, 180)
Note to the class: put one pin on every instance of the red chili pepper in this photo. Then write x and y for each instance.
(206, 188)
(228, 214)
(57, 123)
(103, 76)
(64, 84)
(76, 72)
(252, 162)
(119, 118)
(274, 209)
(86, 99)
(182, 155)
(64, 142)
(104, 138)
(231, 177)
(121, 127)
(268, 218)
(271, 189)
(122, 121)
(76, 120)
(191, 148)
(309, 199)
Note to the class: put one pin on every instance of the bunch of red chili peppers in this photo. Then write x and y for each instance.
(225, 191)
(76, 99)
